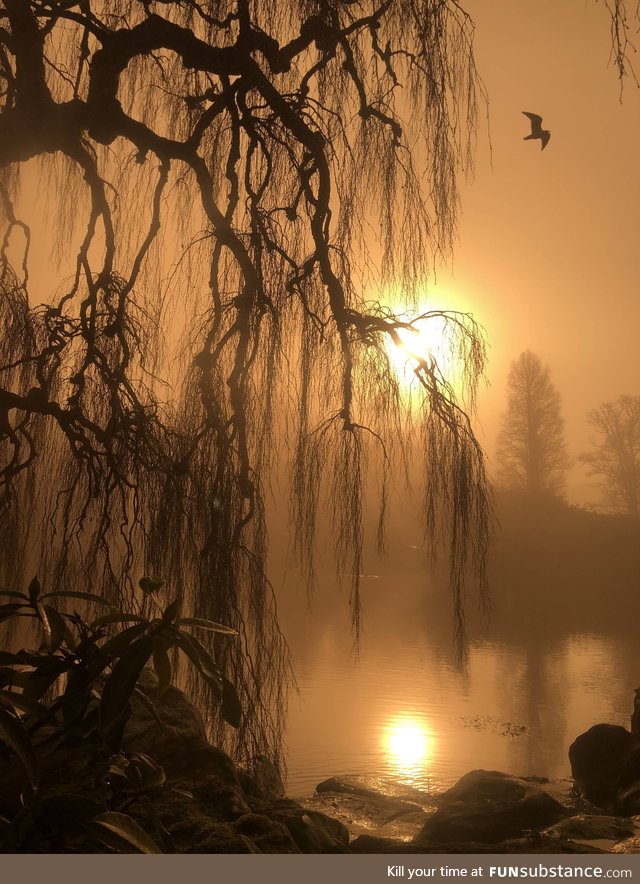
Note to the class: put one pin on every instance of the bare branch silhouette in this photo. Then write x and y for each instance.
(225, 181)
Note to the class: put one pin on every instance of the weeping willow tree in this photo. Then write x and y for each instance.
(197, 200)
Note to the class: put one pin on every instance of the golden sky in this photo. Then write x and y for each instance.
(549, 256)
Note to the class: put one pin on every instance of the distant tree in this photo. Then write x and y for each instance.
(615, 453)
(531, 449)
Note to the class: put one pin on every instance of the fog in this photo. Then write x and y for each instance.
(548, 240)
(214, 413)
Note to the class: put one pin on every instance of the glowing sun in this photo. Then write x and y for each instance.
(429, 339)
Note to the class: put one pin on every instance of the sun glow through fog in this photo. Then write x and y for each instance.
(431, 339)
(424, 341)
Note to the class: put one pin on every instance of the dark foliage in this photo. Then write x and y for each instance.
(76, 690)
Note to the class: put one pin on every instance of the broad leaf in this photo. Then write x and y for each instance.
(34, 590)
(18, 678)
(161, 664)
(210, 625)
(148, 773)
(120, 685)
(86, 596)
(140, 695)
(124, 827)
(69, 638)
(12, 733)
(170, 613)
(9, 610)
(230, 708)
(7, 659)
(36, 685)
(15, 595)
(116, 618)
(35, 682)
(18, 702)
(201, 658)
(118, 765)
(76, 697)
(85, 726)
(249, 844)
(118, 644)
(52, 626)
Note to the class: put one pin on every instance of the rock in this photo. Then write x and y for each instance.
(203, 804)
(605, 763)
(372, 844)
(490, 807)
(264, 780)
(629, 845)
(376, 844)
(376, 788)
(173, 739)
(374, 805)
(635, 715)
(222, 798)
(587, 827)
(628, 798)
(266, 835)
(312, 831)
(628, 792)
(206, 804)
(221, 808)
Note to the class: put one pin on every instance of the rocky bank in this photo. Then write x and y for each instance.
(204, 803)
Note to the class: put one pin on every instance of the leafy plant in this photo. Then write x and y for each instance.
(80, 685)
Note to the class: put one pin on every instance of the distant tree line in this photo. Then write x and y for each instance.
(531, 448)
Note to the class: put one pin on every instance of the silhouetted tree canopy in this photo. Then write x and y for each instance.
(531, 450)
(230, 185)
(615, 452)
(200, 205)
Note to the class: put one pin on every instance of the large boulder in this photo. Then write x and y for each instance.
(194, 799)
(210, 805)
(605, 764)
(490, 807)
(368, 805)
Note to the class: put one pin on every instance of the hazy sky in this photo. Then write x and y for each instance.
(548, 258)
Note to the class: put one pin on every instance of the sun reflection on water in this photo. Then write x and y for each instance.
(408, 746)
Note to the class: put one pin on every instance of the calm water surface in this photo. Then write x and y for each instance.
(405, 710)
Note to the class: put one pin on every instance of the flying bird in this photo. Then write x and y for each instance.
(536, 130)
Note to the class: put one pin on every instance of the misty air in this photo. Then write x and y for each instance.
(319, 427)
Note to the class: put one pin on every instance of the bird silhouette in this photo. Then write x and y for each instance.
(536, 130)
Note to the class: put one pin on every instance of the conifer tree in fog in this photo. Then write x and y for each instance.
(531, 451)
(615, 453)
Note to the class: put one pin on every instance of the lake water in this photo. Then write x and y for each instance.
(404, 708)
